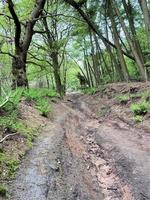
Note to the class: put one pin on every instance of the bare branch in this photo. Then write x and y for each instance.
(12, 134)
(93, 26)
(38, 32)
(7, 53)
(17, 23)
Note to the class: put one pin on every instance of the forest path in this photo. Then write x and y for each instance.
(76, 157)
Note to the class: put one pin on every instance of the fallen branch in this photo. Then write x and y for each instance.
(7, 99)
(4, 102)
(12, 134)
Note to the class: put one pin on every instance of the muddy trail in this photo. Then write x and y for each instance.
(77, 157)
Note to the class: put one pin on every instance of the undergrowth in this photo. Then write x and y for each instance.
(141, 108)
(9, 164)
(3, 190)
(10, 122)
(123, 99)
(41, 99)
(139, 104)
(89, 90)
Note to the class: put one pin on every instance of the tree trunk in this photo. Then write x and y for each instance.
(139, 61)
(19, 72)
(146, 15)
(22, 43)
(119, 51)
(56, 67)
(86, 69)
(101, 58)
(47, 81)
(95, 67)
(54, 56)
(93, 26)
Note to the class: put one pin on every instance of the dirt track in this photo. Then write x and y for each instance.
(77, 157)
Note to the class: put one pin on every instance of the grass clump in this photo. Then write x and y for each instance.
(138, 118)
(13, 101)
(9, 164)
(11, 124)
(3, 191)
(146, 95)
(40, 97)
(9, 121)
(35, 94)
(123, 99)
(43, 107)
(89, 91)
(140, 108)
(12, 166)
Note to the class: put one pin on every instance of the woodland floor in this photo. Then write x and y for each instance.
(90, 149)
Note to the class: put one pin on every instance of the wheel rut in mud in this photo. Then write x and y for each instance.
(77, 158)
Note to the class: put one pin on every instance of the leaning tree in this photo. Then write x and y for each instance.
(24, 32)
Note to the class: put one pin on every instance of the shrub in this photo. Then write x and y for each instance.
(35, 94)
(9, 120)
(140, 108)
(43, 106)
(12, 166)
(39, 97)
(123, 99)
(14, 100)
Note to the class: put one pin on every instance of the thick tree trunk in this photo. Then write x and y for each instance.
(22, 43)
(19, 72)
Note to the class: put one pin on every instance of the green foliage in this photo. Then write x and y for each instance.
(136, 96)
(72, 80)
(43, 106)
(140, 108)
(13, 124)
(89, 90)
(123, 99)
(3, 157)
(146, 95)
(37, 93)
(3, 191)
(13, 101)
(40, 97)
(133, 72)
(11, 165)
(9, 121)
(138, 118)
